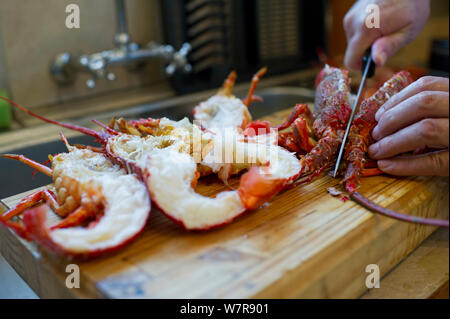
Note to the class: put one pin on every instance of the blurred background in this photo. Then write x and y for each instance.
(285, 35)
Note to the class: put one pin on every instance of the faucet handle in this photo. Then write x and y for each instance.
(62, 68)
(179, 60)
(93, 81)
(185, 49)
(110, 76)
(96, 64)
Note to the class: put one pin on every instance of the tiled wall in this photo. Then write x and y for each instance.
(3, 75)
(33, 32)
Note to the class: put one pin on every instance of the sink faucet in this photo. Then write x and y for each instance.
(65, 66)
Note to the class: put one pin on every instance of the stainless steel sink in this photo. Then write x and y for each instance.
(16, 177)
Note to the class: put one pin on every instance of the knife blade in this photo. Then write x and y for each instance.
(368, 71)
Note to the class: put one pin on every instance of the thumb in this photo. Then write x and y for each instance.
(385, 47)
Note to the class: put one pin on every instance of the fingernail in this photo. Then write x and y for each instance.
(373, 150)
(383, 165)
(375, 133)
(381, 59)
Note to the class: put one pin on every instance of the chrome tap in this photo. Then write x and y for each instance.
(65, 66)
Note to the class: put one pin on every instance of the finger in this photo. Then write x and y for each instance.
(348, 23)
(385, 47)
(427, 104)
(430, 164)
(431, 133)
(426, 83)
(356, 48)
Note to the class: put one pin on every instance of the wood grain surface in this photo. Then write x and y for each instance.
(303, 244)
(424, 274)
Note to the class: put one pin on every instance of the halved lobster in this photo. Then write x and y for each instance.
(164, 155)
(99, 207)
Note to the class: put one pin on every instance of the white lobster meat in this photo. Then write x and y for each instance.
(170, 168)
(102, 207)
(224, 110)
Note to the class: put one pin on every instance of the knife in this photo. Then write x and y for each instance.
(368, 68)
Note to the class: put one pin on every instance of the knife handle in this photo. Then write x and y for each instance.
(368, 59)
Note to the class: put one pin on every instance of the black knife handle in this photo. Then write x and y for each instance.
(368, 59)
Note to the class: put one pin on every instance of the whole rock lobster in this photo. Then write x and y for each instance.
(332, 112)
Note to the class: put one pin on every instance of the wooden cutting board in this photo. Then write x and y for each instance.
(303, 244)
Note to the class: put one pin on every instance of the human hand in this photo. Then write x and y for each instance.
(414, 118)
(400, 22)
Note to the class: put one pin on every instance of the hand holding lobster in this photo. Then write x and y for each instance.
(416, 119)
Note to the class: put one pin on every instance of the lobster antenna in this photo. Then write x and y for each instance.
(367, 203)
(74, 127)
(107, 128)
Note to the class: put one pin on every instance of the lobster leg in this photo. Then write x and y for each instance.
(298, 140)
(74, 219)
(371, 172)
(24, 204)
(38, 166)
(18, 228)
(301, 136)
(309, 178)
(29, 201)
(254, 98)
(287, 140)
(227, 86)
(112, 122)
(255, 80)
(127, 128)
(298, 110)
